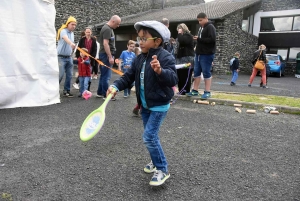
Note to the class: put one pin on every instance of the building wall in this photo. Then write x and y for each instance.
(172, 3)
(230, 39)
(276, 5)
(91, 12)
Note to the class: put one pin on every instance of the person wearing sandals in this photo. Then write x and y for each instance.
(154, 74)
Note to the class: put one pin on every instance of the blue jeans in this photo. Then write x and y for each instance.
(235, 76)
(83, 83)
(127, 90)
(152, 121)
(203, 64)
(105, 75)
(65, 66)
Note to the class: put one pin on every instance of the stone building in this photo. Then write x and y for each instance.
(91, 12)
(227, 16)
(238, 23)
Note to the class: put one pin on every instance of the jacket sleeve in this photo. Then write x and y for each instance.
(94, 48)
(127, 78)
(168, 74)
(211, 35)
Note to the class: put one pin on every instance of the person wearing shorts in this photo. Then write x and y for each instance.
(205, 53)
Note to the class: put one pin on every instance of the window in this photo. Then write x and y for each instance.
(282, 52)
(288, 54)
(293, 53)
(245, 25)
(296, 26)
(276, 24)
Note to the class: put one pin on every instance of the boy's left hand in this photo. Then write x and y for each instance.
(155, 65)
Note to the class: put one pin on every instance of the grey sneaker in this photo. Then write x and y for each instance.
(192, 93)
(68, 94)
(159, 178)
(149, 168)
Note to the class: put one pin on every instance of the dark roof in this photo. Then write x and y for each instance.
(214, 10)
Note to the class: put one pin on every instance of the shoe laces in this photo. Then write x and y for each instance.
(158, 175)
(150, 165)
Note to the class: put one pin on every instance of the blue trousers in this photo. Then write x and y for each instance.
(104, 76)
(152, 122)
(65, 67)
(83, 83)
(235, 76)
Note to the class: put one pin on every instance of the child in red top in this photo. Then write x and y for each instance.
(84, 71)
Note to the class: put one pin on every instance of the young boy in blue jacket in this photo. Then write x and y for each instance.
(235, 68)
(154, 74)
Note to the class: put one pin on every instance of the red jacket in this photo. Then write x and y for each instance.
(84, 69)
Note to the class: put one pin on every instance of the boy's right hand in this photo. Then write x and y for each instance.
(109, 90)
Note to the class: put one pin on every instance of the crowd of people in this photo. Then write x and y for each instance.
(150, 64)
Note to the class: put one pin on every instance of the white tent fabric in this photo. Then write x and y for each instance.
(28, 58)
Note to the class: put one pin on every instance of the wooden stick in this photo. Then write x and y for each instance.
(238, 110)
(274, 112)
(237, 105)
(203, 102)
(251, 111)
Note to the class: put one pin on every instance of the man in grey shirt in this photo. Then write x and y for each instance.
(65, 47)
(107, 52)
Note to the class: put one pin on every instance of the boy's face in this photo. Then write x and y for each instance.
(202, 21)
(147, 41)
(131, 47)
(81, 54)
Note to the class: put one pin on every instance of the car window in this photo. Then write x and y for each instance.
(272, 58)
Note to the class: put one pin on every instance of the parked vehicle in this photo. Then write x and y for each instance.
(277, 64)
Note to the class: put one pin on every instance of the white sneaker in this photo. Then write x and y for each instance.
(149, 168)
(159, 178)
(76, 86)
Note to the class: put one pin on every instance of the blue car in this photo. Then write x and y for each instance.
(276, 63)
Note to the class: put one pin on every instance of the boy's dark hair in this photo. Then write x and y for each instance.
(152, 32)
(201, 15)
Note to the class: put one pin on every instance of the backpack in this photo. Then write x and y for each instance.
(231, 62)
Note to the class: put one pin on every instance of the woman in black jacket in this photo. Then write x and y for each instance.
(185, 54)
(260, 54)
(89, 42)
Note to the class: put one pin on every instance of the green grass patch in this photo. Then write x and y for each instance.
(257, 98)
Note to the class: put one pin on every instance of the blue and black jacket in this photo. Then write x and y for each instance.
(158, 88)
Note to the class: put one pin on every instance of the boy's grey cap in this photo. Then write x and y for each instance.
(158, 26)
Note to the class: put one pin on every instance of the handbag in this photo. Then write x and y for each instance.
(259, 65)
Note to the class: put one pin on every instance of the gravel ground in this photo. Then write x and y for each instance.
(213, 152)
